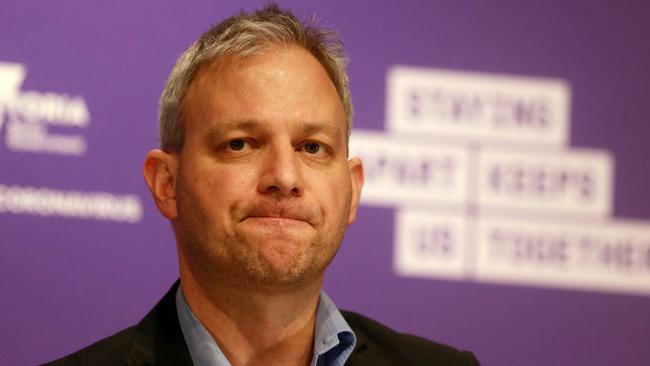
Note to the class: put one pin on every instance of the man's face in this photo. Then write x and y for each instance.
(264, 189)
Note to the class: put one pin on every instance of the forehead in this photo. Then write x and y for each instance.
(284, 83)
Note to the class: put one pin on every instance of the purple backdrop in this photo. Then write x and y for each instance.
(66, 282)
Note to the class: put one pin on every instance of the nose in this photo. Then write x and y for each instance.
(280, 172)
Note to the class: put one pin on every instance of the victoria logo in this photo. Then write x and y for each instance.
(48, 122)
(26, 116)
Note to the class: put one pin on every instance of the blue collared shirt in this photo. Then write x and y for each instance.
(334, 340)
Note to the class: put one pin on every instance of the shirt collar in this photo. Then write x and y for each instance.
(203, 349)
(334, 340)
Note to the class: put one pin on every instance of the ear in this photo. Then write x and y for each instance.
(160, 172)
(356, 176)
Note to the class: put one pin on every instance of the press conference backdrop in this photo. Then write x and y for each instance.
(506, 147)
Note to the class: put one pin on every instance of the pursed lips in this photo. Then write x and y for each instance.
(274, 222)
(280, 219)
(289, 214)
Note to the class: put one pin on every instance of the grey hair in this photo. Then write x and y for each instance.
(244, 35)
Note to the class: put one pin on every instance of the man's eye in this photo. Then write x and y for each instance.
(312, 147)
(236, 144)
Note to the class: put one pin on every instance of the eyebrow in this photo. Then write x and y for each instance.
(219, 128)
(325, 127)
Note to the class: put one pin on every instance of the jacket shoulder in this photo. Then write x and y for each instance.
(155, 340)
(378, 344)
(112, 350)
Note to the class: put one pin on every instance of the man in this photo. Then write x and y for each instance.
(253, 173)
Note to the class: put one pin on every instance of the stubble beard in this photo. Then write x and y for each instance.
(221, 258)
(235, 262)
(217, 257)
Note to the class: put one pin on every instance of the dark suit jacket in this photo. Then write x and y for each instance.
(158, 340)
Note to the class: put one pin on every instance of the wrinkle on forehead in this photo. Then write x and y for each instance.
(257, 85)
(249, 125)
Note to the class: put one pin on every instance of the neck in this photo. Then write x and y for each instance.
(254, 327)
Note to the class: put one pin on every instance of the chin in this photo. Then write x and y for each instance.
(284, 272)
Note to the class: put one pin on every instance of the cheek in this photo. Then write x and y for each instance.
(333, 191)
(222, 189)
(213, 178)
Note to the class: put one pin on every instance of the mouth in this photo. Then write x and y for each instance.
(278, 214)
(276, 223)
(271, 218)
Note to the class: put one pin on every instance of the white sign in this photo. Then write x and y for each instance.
(612, 255)
(402, 171)
(430, 244)
(485, 187)
(574, 181)
(477, 106)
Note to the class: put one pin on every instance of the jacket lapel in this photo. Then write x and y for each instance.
(158, 338)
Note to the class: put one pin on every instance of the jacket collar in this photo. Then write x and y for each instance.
(158, 339)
